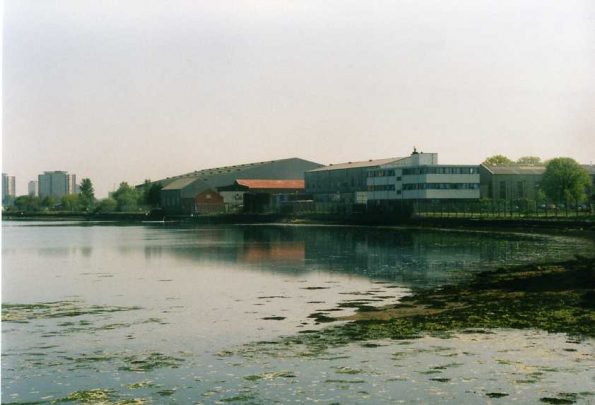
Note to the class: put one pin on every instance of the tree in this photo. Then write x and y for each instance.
(70, 202)
(498, 160)
(529, 160)
(565, 180)
(152, 194)
(126, 197)
(27, 203)
(87, 195)
(49, 201)
(107, 205)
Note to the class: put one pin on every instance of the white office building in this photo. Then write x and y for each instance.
(420, 177)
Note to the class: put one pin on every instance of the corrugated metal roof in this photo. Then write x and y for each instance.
(361, 164)
(271, 184)
(515, 169)
(180, 183)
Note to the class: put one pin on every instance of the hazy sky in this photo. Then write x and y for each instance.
(127, 90)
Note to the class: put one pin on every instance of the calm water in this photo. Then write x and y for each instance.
(151, 314)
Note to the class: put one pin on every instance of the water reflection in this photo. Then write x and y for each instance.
(410, 256)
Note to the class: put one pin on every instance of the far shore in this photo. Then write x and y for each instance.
(583, 226)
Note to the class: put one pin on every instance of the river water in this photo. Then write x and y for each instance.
(160, 314)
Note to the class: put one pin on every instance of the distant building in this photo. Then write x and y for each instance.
(56, 184)
(8, 189)
(32, 188)
(420, 177)
(259, 195)
(415, 177)
(179, 194)
(516, 182)
(513, 182)
(343, 182)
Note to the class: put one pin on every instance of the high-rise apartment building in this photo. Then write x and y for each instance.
(56, 184)
(32, 188)
(8, 189)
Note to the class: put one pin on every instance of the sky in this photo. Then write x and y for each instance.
(132, 90)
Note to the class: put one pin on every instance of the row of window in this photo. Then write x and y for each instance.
(382, 187)
(441, 186)
(440, 170)
(381, 173)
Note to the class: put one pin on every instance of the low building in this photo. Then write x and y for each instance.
(178, 194)
(420, 177)
(259, 195)
(208, 202)
(518, 182)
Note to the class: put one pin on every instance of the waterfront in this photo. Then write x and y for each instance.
(157, 313)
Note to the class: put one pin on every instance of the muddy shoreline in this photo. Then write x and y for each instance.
(557, 297)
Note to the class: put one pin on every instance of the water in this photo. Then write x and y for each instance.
(157, 314)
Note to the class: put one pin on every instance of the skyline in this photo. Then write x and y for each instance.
(123, 92)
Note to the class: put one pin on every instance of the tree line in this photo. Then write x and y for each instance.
(125, 199)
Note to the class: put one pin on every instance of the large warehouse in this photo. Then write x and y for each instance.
(184, 193)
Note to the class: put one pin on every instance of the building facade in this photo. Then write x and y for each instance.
(420, 177)
(515, 182)
(8, 189)
(56, 184)
(178, 194)
(344, 183)
(32, 188)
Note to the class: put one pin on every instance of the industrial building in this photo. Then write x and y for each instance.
(258, 195)
(420, 177)
(516, 182)
(56, 184)
(344, 183)
(415, 177)
(179, 194)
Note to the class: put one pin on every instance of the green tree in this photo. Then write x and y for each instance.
(529, 160)
(565, 180)
(87, 195)
(27, 203)
(498, 160)
(126, 197)
(70, 202)
(107, 205)
(49, 201)
(152, 194)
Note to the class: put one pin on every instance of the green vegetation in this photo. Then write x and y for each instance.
(557, 297)
(87, 195)
(59, 309)
(529, 160)
(565, 180)
(498, 160)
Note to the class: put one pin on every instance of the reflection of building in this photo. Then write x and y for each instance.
(56, 184)
(284, 252)
(179, 193)
(32, 188)
(8, 189)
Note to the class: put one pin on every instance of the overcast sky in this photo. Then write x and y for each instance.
(127, 90)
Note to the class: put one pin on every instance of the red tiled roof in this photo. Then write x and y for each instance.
(271, 184)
